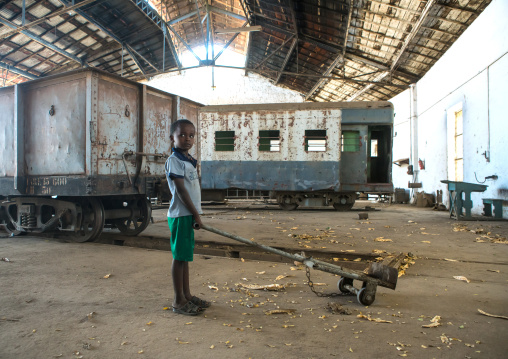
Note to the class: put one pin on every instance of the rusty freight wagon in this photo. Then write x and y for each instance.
(83, 150)
(302, 154)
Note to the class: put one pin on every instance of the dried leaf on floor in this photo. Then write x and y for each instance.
(280, 311)
(107, 276)
(263, 272)
(492, 315)
(382, 239)
(461, 277)
(369, 318)
(270, 287)
(434, 322)
(450, 260)
(212, 287)
(279, 277)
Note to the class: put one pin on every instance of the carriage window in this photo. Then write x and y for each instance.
(350, 141)
(315, 140)
(373, 148)
(224, 140)
(269, 141)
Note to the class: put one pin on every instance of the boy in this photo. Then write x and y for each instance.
(183, 215)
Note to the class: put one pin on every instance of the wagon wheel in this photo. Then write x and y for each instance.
(288, 206)
(92, 220)
(9, 226)
(139, 220)
(343, 207)
(291, 206)
(11, 229)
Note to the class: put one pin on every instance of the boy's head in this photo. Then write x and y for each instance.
(182, 134)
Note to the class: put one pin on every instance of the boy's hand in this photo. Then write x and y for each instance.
(197, 223)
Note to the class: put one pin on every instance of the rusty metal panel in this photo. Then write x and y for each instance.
(55, 126)
(291, 124)
(156, 131)
(290, 168)
(7, 154)
(118, 105)
(190, 111)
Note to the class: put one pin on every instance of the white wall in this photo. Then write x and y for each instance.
(474, 71)
(231, 87)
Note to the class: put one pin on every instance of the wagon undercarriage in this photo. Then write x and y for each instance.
(78, 219)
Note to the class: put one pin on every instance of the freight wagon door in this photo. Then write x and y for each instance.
(353, 156)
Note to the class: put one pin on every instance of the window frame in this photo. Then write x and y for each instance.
(309, 136)
(225, 138)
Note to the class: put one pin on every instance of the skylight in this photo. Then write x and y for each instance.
(227, 58)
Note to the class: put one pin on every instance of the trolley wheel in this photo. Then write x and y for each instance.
(136, 224)
(342, 282)
(343, 207)
(92, 220)
(363, 298)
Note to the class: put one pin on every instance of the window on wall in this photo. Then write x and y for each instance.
(315, 140)
(459, 147)
(269, 140)
(455, 138)
(224, 140)
(350, 141)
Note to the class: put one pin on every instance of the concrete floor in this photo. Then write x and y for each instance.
(49, 287)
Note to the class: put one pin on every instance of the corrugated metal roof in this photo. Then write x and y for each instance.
(329, 50)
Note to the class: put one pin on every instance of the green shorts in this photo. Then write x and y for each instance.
(182, 238)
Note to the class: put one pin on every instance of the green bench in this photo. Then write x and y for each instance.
(498, 207)
(460, 198)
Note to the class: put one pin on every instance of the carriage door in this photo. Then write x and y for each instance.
(353, 160)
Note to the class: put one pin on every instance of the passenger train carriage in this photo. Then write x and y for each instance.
(304, 154)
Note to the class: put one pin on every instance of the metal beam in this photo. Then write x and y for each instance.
(183, 42)
(340, 56)
(183, 17)
(44, 42)
(107, 32)
(225, 12)
(200, 24)
(144, 59)
(172, 47)
(413, 33)
(286, 60)
(42, 19)
(228, 43)
(3, 65)
(395, 63)
(239, 29)
(273, 53)
(326, 46)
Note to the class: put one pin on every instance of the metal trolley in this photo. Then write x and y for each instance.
(377, 274)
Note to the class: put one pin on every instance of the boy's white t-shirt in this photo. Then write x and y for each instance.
(179, 166)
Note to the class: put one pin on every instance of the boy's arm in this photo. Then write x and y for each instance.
(182, 192)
